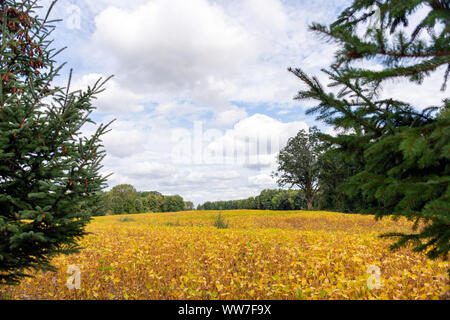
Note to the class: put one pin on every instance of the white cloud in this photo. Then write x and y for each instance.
(230, 116)
(214, 91)
(420, 96)
(262, 180)
(149, 169)
(172, 110)
(268, 18)
(200, 176)
(256, 135)
(124, 140)
(115, 99)
(173, 44)
(211, 53)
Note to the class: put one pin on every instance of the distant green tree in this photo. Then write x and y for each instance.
(116, 204)
(144, 194)
(298, 164)
(189, 205)
(129, 205)
(155, 201)
(264, 199)
(297, 199)
(138, 205)
(124, 191)
(207, 205)
(406, 151)
(268, 199)
(335, 169)
(249, 203)
(123, 198)
(173, 203)
(288, 200)
(282, 201)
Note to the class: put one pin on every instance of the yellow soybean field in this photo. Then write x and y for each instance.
(260, 255)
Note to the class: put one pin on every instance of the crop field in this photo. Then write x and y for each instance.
(257, 255)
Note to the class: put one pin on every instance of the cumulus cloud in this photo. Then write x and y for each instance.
(150, 170)
(175, 44)
(211, 53)
(124, 140)
(270, 18)
(202, 177)
(262, 180)
(230, 116)
(115, 98)
(420, 96)
(254, 140)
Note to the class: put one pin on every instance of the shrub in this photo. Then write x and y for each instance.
(220, 222)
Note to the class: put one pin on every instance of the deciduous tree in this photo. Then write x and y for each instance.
(297, 164)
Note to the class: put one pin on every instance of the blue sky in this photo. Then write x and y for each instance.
(197, 84)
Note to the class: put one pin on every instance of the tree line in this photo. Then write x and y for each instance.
(268, 199)
(124, 199)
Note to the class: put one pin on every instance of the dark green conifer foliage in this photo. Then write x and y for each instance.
(406, 152)
(49, 171)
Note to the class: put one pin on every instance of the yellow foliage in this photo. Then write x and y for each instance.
(261, 255)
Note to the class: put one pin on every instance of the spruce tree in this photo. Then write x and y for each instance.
(49, 171)
(405, 151)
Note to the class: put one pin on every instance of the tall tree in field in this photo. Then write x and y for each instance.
(406, 152)
(297, 164)
(49, 172)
